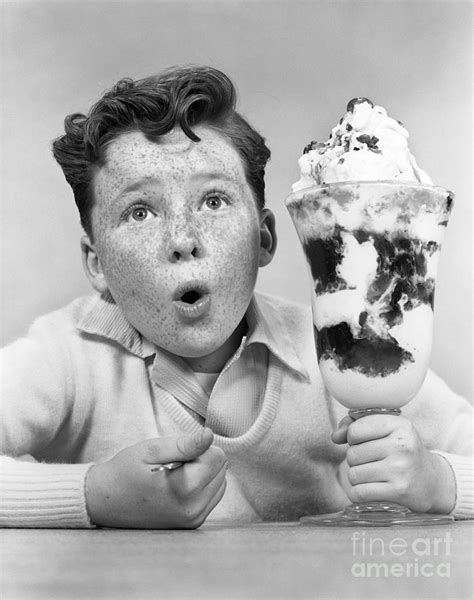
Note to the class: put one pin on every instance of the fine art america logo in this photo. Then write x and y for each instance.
(374, 557)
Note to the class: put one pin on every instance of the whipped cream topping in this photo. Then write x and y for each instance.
(366, 145)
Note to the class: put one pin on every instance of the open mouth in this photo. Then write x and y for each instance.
(192, 300)
(191, 297)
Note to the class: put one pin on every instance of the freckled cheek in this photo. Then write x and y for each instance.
(128, 266)
(236, 257)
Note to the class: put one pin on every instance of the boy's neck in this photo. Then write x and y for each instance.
(215, 362)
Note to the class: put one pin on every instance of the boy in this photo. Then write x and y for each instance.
(176, 359)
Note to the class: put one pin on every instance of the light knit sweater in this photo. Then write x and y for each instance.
(83, 384)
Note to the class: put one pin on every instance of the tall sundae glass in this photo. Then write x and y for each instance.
(372, 247)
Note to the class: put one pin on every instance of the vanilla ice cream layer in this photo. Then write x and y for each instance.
(414, 330)
(356, 390)
(359, 262)
(343, 305)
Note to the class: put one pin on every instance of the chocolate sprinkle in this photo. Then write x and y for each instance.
(353, 103)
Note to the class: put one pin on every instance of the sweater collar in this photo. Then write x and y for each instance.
(105, 319)
(265, 326)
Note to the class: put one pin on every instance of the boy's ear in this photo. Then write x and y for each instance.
(91, 264)
(268, 237)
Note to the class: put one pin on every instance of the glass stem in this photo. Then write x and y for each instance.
(357, 413)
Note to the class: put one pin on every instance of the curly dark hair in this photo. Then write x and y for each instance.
(180, 96)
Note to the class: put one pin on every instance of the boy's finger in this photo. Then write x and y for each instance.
(370, 492)
(366, 452)
(372, 427)
(180, 448)
(192, 446)
(195, 476)
(213, 485)
(339, 435)
(218, 473)
(368, 473)
(216, 492)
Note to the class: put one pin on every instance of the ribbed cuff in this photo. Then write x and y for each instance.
(462, 467)
(42, 495)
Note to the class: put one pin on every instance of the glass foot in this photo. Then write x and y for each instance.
(376, 514)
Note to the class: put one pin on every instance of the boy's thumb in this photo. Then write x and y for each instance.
(192, 446)
(339, 436)
(180, 448)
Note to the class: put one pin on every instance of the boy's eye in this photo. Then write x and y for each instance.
(139, 213)
(214, 202)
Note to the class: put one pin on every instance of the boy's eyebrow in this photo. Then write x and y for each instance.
(141, 182)
(215, 175)
(137, 184)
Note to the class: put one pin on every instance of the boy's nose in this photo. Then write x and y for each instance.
(183, 243)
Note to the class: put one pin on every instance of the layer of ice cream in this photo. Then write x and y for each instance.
(372, 249)
(366, 145)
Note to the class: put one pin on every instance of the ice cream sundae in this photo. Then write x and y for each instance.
(371, 226)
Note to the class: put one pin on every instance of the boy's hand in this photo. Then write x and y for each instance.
(388, 461)
(123, 492)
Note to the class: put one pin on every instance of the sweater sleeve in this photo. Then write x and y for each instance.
(445, 422)
(37, 391)
(42, 495)
(462, 467)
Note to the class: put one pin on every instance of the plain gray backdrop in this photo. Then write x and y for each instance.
(295, 64)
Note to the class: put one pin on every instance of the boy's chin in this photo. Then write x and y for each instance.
(213, 347)
(205, 357)
(201, 352)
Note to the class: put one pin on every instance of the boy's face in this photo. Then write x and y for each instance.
(178, 238)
